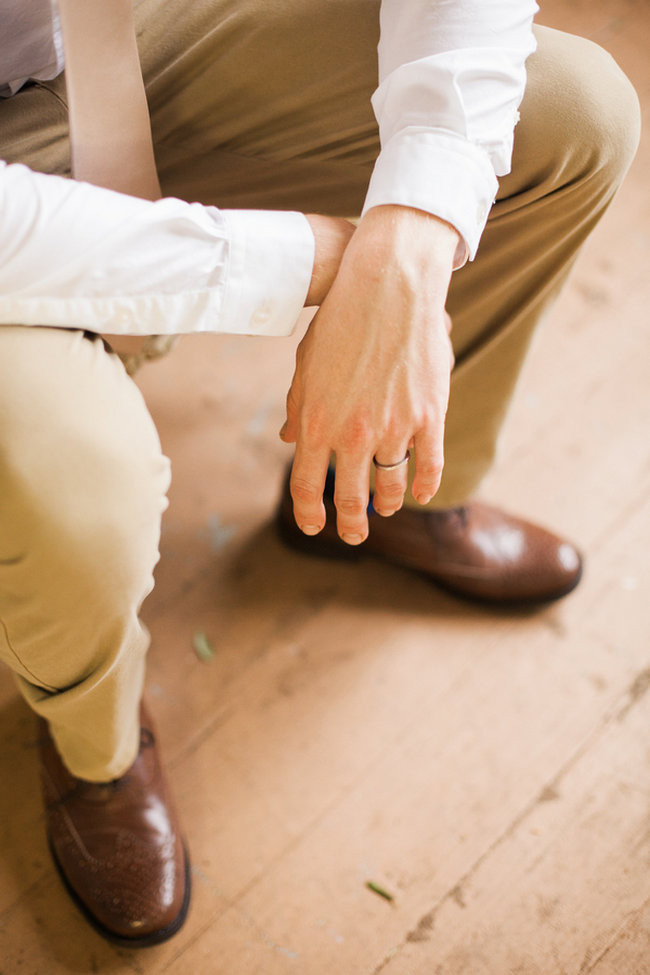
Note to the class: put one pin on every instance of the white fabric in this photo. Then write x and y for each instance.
(31, 43)
(451, 76)
(139, 267)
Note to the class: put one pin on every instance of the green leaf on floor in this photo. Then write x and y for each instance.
(376, 889)
(202, 646)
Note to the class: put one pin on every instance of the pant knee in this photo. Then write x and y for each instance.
(585, 109)
(81, 462)
(90, 529)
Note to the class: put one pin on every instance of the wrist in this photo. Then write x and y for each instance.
(331, 236)
(425, 237)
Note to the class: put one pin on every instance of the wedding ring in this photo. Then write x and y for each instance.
(391, 467)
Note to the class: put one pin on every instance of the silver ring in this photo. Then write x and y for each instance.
(392, 467)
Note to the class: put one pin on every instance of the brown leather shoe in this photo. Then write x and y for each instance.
(474, 551)
(117, 846)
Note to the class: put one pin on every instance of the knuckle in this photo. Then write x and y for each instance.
(303, 491)
(391, 492)
(430, 415)
(350, 507)
(431, 470)
(312, 425)
(392, 430)
(356, 433)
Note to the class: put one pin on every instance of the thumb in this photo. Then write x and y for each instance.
(289, 429)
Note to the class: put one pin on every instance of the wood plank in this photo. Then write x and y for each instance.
(628, 952)
(296, 707)
(556, 892)
(427, 810)
(44, 933)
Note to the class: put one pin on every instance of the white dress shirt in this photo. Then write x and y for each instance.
(31, 45)
(451, 77)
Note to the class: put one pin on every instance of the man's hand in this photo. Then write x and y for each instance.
(372, 372)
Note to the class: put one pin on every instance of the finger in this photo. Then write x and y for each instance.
(390, 486)
(307, 484)
(429, 462)
(289, 429)
(351, 494)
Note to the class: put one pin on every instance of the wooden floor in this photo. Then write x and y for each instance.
(354, 724)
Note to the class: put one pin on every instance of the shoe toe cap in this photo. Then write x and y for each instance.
(132, 894)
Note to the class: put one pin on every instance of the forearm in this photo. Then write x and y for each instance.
(72, 254)
(111, 141)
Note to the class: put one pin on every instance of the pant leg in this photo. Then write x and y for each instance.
(82, 480)
(259, 104)
(82, 490)
(577, 136)
(279, 116)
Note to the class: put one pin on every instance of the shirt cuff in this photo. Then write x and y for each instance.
(270, 269)
(441, 173)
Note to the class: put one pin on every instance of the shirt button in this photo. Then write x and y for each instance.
(261, 316)
(481, 212)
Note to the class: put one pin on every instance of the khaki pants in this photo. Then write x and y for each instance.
(253, 105)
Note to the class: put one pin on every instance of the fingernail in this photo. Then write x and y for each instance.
(310, 529)
(423, 498)
(352, 539)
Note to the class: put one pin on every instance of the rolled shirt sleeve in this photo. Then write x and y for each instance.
(451, 79)
(72, 254)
